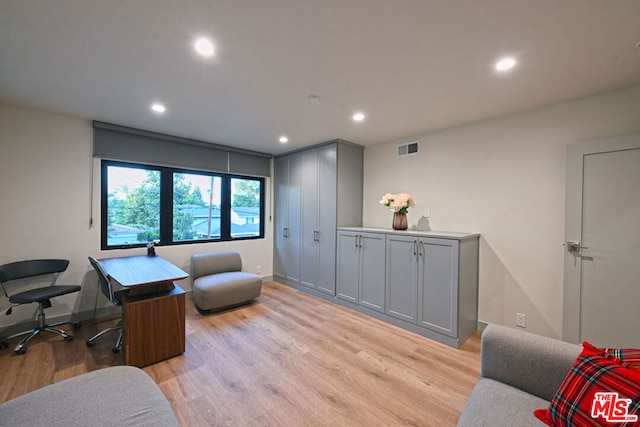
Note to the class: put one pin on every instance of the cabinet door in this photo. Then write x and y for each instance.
(372, 270)
(438, 286)
(153, 326)
(401, 277)
(309, 217)
(281, 184)
(293, 219)
(348, 266)
(326, 200)
(318, 220)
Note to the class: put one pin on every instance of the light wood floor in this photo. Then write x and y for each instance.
(289, 360)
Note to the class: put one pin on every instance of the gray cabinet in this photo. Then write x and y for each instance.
(402, 277)
(318, 218)
(422, 282)
(430, 279)
(360, 276)
(433, 283)
(287, 241)
(438, 285)
(322, 187)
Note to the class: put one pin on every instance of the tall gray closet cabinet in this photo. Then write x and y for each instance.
(317, 190)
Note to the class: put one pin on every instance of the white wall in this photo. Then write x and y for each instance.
(503, 178)
(45, 204)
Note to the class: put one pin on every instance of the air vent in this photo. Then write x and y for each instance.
(408, 149)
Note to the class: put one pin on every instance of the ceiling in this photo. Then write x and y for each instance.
(411, 66)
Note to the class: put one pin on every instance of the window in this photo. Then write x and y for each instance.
(142, 203)
(245, 207)
(196, 206)
(133, 205)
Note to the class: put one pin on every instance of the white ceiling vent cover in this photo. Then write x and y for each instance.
(408, 149)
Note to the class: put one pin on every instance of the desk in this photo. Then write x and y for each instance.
(153, 310)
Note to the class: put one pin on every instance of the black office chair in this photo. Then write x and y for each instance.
(106, 288)
(38, 267)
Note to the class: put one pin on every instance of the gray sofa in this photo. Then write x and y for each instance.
(116, 396)
(520, 372)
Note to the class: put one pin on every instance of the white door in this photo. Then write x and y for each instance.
(602, 257)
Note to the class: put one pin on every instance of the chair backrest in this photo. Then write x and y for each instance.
(31, 268)
(104, 282)
(214, 263)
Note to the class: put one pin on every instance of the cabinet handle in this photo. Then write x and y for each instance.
(415, 248)
(285, 232)
(421, 249)
(316, 235)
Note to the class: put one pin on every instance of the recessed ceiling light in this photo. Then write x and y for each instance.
(204, 47)
(358, 117)
(158, 108)
(505, 64)
(284, 139)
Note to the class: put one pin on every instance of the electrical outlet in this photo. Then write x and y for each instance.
(427, 213)
(258, 269)
(521, 320)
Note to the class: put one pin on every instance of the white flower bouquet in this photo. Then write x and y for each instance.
(398, 202)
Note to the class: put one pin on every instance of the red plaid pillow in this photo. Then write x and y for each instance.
(629, 355)
(599, 390)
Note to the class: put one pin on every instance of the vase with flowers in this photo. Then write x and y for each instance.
(399, 205)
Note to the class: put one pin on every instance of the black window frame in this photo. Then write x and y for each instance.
(166, 205)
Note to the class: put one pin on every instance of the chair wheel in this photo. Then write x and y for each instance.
(4, 344)
(115, 350)
(68, 338)
(90, 343)
(21, 350)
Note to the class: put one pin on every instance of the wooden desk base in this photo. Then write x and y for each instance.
(153, 326)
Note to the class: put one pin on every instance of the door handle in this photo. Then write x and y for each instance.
(574, 246)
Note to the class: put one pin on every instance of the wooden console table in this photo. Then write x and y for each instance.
(153, 308)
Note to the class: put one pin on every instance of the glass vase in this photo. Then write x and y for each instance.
(399, 221)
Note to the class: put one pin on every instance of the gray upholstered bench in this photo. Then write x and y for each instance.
(220, 283)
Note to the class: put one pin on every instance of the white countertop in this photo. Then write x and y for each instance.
(420, 233)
